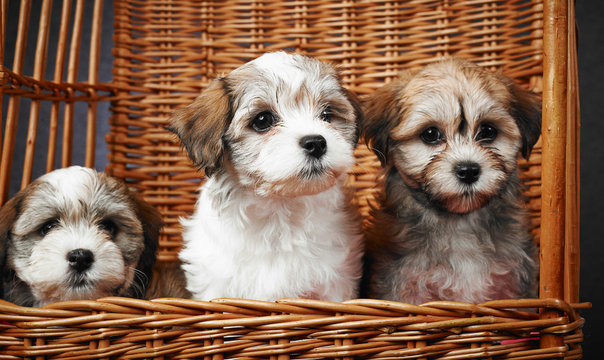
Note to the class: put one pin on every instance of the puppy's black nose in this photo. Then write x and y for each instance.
(467, 172)
(80, 259)
(314, 145)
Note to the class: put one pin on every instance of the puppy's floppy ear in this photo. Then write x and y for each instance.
(383, 112)
(358, 110)
(8, 215)
(202, 124)
(525, 107)
(151, 221)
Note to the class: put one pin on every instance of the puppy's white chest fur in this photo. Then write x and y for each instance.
(239, 244)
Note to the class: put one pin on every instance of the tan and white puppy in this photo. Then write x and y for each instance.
(76, 234)
(276, 138)
(450, 224)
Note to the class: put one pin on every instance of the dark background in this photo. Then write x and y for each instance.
(590, 19)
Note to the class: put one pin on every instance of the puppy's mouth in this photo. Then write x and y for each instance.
(308, 181)
(454, 203)
(80, 281)
(464, 203)
(313, 171)
(86, 288)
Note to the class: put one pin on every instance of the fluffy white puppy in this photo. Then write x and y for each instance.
(276, 137)
(76, 234)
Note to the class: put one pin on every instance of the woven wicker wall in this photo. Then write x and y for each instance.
(167, 52)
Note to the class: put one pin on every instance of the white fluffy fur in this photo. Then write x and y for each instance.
(239, 244)
(261, 228)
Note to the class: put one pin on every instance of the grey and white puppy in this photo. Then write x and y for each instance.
(76, 234)
(450, 224)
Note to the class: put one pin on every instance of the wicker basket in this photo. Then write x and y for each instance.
(166, 52)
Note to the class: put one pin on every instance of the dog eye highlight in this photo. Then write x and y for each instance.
(432, 136)
(486, 133)
(48, 226)
(326, 114)
(263, 121)
(108, 226)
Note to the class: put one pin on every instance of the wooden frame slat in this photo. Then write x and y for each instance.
(12, 113)
(72, 77)
(34, 112)
(58, 78)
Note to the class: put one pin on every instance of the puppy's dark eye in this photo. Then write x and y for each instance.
(48, 226)
(326, 114)
(432, 136)
(108, 226)
(264, 121)
(486, 133)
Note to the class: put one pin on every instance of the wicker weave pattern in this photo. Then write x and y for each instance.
(166, 53)
(294, 328)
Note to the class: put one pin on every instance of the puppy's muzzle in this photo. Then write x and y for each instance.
(80, 260)
(467, 172)
(314, 145)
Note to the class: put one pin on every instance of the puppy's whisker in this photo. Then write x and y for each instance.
(379, 153)
(138, 283)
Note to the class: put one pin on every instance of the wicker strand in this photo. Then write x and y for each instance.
(58, 78)
(34, 112)
(572, 250)
(4, 7)
(93, 70)
(10, 127)
(72, 76)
